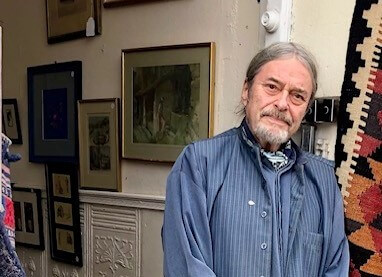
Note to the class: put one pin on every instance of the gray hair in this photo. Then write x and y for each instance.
(279, 50)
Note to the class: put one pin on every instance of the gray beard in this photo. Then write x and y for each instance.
(273, 137)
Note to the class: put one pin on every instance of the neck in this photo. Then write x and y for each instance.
(268, 146)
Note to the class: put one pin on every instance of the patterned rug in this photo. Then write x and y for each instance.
(359, 139)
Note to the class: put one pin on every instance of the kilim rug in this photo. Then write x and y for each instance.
(359, 140)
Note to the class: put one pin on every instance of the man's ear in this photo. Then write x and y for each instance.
(245, 93)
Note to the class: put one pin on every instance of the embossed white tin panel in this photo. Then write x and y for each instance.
(115, 235)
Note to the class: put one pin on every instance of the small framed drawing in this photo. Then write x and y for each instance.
(69, 19)
(167, 99)
(28, 217)
(64, 213)
(11, 121)
(98, 122)
(53, 91)
(116, 3)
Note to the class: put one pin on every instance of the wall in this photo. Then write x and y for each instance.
(320, 25)
(231, 24)
(323, 26)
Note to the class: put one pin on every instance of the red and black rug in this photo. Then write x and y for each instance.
(359, 139)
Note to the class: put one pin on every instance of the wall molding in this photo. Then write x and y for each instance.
(122, 199)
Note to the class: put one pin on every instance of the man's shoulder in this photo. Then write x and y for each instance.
(218, 139)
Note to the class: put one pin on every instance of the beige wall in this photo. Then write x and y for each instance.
(231, 24)
(323, 26)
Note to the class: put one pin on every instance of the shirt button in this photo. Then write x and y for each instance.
(263, 246)
(251, 203)
(263, 214)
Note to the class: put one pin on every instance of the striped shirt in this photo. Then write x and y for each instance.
(221, 217)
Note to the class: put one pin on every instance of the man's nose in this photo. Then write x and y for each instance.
(282, 101)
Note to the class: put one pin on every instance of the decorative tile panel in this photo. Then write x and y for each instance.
(115, 239)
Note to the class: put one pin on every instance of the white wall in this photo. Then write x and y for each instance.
(232, 24)
(323, 27)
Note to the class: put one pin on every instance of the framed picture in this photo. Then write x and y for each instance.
(116, 3)
(167, 99)
(28, 217)
(64, 213)
(11, 121)
(71, 19)
(53, 91)
(99, 144)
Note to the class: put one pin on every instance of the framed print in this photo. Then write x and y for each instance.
(64, 213)
(167, 99)
(11, 121)
(53, 91)
(28, 217)
(98, 122)
(116, 3)
(71, 19)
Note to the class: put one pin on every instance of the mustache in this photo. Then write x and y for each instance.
(277, 114)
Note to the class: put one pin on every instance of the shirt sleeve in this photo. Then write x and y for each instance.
(338, 254)
(186, 233)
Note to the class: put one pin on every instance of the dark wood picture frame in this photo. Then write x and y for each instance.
(11, 121)
(28, 217)
(64, 213)
(67, 20)
(53, 91)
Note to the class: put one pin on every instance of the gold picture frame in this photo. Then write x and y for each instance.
(98, 122)
(71, 19)
(167, 99)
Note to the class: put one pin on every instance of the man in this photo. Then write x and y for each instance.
(249, 202)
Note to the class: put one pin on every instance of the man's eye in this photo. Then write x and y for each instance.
(272, 86)
(298, 98)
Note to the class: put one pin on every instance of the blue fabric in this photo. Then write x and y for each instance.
(215, 201)
(279, 184)
(9, 262)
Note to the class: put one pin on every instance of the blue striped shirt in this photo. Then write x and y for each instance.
(221, 217)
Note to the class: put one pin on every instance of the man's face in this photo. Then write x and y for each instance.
(277, 100)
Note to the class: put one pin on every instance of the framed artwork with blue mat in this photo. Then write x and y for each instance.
(53, 91)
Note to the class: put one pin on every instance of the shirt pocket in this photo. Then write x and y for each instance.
(313, 250)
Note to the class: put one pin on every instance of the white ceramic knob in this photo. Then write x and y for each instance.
(270, 20)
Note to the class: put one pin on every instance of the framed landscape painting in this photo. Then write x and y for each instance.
(167, 99)
(98, 121)
(53, 91)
